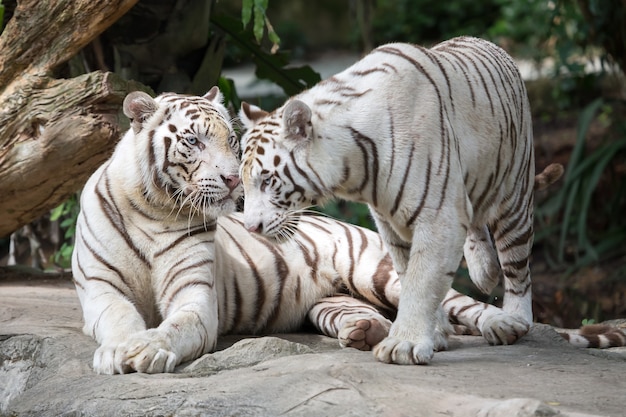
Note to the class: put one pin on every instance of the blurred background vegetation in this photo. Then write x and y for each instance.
(571, 53)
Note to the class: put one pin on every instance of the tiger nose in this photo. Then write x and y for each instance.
(231, 181)
(255, 228)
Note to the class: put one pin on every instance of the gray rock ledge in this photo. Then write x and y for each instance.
(45, 371)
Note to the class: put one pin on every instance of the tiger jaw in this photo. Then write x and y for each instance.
(279, 228)
(205, 204)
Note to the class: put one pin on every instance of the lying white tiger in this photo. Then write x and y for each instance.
(439, 143)
(159, 279)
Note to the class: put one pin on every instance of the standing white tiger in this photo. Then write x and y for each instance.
(439, 143)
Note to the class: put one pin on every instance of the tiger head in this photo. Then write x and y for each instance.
(275, 174)
(187, 152)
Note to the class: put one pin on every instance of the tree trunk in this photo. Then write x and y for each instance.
(53, 133)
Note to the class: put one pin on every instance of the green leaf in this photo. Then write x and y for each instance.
(586, 117)
(227, 87)
(605, 156)
(567, 197)
(271, 34)
(259, 22)
(246, 12)
(57, 212)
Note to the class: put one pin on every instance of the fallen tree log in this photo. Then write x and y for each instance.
(53, 132)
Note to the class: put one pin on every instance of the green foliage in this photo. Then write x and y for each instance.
(1, 16)
(524, 27)
(355, 213)
(258, 8)
(430, 21)
(588, 232)
(274, 67)
(586, 322)
(227, 87)
(66, 214)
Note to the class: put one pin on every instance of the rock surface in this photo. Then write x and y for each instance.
(45, 371)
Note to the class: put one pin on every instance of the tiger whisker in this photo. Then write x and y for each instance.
(206, 203)
(195, 206)
(176, 197)
(187, 199)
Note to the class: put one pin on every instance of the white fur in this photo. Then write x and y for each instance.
(351, 137)
(134, 237)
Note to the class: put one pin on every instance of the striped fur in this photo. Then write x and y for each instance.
(338, 275)
(439, 143)
(596, 336)
(144, 250)
(159, 277)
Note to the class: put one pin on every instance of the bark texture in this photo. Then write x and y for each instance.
(53, 132)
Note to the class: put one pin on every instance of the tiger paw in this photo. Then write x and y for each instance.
(441, 339)
(404, 352)
(107, 360)
(443, 329)
(148, 352)
(503, 329)
(364, 333)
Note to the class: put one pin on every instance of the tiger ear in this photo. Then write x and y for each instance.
(250, 114)
(216, 98)
(297, 120)
(215, 95)
(138, 107)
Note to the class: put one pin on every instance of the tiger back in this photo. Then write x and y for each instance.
(439, 143)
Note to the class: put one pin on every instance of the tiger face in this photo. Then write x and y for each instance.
(188, 152)
(274, 168)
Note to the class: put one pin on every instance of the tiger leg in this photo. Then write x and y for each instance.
(434, 257)
(481, 258)
(109, 314)
(189, 328)
(355, 323)
(110, 318)
(513, 236)
(493, 323)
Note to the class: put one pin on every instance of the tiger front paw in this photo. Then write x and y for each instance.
(504, 329)
(364, 333)
(148, 352)
(108, 360)
(404, 352)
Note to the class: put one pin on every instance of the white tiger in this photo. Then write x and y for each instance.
(439, 143)
(145, 261)
(159, 278)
